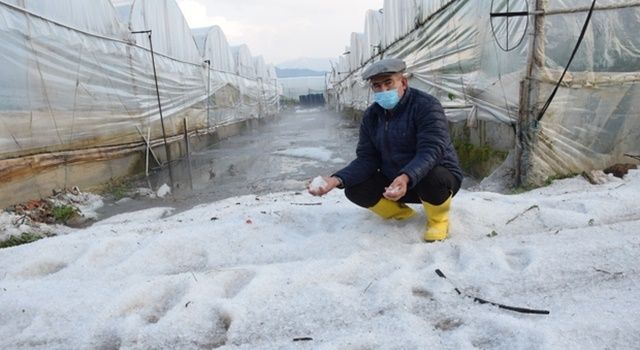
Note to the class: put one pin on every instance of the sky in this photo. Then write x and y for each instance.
(282, 30)
(286, 270)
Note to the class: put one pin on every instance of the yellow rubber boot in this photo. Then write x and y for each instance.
(388, 209)
(437, 220)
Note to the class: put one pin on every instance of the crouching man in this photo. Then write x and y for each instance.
(404, 154)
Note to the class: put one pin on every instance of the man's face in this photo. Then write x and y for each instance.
(386, 82)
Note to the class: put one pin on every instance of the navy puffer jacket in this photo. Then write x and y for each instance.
(412, 139)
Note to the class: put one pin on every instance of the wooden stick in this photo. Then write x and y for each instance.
(634, 156)
(146, 169)
(515, 217)
(146, 141)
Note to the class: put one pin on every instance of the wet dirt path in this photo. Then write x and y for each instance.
(281, 155)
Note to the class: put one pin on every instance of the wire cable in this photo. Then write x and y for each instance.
(502, 306)
(575, 49)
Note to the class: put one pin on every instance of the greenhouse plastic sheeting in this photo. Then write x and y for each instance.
(97, 16)
(357, 49)
(456, 54)
(228, 86)
(66, 87)
(595, 116)
(214, 47)
(261, 68)
(200, 38)
(244, 61)
(399, 17)
(373, 33)
(170, 32)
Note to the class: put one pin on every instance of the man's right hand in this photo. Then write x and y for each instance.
(397, 189)
(322, 185)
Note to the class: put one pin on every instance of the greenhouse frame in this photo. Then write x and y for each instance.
(499, 66)
(83, 97)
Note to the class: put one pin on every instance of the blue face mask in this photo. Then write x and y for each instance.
(387, 99)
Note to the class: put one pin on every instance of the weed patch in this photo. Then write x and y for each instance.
(479, 161)
(62, 213)
(24, 238)
(116, 188)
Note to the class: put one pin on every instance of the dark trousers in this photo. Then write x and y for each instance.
(434, 188)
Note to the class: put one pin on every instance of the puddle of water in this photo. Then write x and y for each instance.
(281, 155)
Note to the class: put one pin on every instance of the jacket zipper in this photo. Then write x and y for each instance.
(387, 117)
(386, 133)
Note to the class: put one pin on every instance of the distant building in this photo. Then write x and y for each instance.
(293, 88)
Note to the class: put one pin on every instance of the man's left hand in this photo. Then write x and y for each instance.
(397, 189)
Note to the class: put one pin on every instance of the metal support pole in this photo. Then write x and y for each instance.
(208, 62)
(155, 77)
(146, 169)
(277, 94)
(529, 90)
(186, 142)
(186, 137)
(260, 99)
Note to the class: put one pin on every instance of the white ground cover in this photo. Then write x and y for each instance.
(291, 271)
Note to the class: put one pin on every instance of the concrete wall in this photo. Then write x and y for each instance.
(36, 176)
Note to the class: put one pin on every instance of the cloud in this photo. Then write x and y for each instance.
(282, 29)
(197, 16)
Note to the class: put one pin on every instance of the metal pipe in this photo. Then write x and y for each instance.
(186, 142)
(155, 78)
(208, 62)
(586, 9)
(186, 137)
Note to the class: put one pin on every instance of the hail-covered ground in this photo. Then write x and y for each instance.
(291, 271)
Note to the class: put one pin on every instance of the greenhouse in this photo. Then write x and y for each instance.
(554, 84)
(534, 90)
(98, 92)
(170, 183)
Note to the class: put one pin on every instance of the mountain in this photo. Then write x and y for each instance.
(317, 64)
(297, 72)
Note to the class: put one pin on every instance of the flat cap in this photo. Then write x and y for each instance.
(387, 65)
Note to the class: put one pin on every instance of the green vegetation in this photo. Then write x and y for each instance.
(548, 181)
(553, 178)
(522, 189)
(26, 237)
(62, 213)
(116, 188)
(480, 160)
(119, 191)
